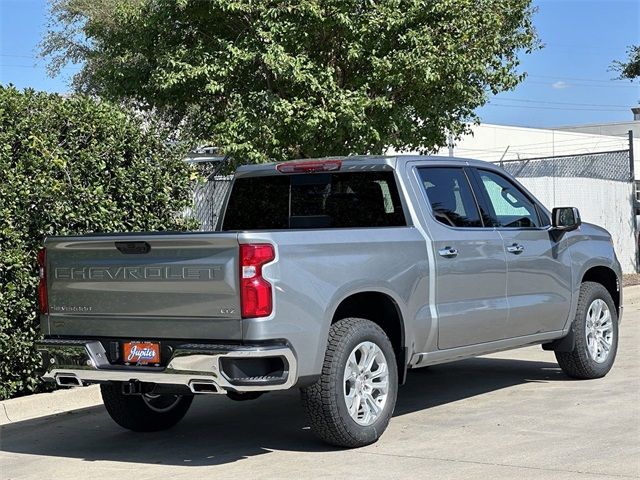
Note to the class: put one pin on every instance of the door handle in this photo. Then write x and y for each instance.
(515, 248)
(448, 252)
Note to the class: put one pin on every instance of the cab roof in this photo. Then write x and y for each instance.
(374, 162)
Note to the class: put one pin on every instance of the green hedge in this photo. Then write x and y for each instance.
(71, 166)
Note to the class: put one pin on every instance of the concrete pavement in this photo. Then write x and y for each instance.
(508, 415)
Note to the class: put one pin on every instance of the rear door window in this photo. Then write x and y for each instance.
(319, 200)
(450, 196)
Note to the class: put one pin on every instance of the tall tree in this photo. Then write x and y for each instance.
(630, 69)
(276, 79)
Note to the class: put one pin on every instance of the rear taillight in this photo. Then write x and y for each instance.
(255, 291)
(42, 285)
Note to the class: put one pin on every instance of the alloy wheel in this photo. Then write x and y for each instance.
(366, 383)
(599, 331)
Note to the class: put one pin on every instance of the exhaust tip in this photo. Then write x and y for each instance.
(68, 381)
(204, 387)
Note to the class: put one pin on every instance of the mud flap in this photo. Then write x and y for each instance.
(401, 359)
(564, 344)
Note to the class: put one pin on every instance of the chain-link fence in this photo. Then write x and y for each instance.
(208, 198)
(615, 165)
(600, 184)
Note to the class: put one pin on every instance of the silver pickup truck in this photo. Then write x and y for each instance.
(334, 276)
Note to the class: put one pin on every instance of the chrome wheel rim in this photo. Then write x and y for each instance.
(366, 383)
(160, 403)
(599, 331)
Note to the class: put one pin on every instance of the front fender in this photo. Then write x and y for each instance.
(590, 247)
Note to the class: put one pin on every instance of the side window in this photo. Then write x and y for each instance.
(450, 196)
(511, 208)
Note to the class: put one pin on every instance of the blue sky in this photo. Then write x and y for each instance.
(568, 81)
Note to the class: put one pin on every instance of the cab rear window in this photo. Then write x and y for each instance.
(319, 200)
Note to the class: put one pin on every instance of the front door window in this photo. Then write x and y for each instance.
(511, 208)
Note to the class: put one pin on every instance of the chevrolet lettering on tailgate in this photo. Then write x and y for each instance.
(194, 272)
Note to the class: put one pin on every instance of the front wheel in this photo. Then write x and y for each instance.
(595, 329)
(352, 402)
(144, 413)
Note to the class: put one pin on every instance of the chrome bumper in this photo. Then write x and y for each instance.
(72, 363)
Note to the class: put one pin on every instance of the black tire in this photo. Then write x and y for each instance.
(579, 363)
(324, 402)
(134, 413)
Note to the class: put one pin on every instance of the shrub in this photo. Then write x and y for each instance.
(72, 166)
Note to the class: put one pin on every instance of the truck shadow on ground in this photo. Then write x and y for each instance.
(218, 430)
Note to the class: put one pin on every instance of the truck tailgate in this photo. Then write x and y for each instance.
(144, 286)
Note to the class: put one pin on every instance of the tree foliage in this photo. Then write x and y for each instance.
(630, 69)
(281, 79)
(71, 166)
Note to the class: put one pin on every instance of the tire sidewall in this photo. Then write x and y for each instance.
(580, 324)
(370, 433)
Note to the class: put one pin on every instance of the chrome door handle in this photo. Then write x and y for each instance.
(448, 252)
(515, 248)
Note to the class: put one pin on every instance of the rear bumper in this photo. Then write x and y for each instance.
(199, 367)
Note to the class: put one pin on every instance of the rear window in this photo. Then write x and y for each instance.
(318, 200)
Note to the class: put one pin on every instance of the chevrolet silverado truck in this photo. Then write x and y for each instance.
(332, 276)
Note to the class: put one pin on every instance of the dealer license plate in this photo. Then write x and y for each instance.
(141, 353)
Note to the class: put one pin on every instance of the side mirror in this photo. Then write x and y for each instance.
(565, 219)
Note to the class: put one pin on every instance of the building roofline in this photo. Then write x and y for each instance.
(604, 124)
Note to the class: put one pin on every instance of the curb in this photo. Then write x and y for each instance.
(50, 403)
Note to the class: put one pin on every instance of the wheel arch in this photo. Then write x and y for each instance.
(383, 310)
(606, 277)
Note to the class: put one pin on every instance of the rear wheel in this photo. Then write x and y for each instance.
(595, 329)
(352, 402)
(144, 413)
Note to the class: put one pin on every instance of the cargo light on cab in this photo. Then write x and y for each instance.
(255, 291)
(311, 166)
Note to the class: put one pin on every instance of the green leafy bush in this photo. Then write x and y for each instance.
(71, 166)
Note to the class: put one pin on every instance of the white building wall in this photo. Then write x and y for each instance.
(601, 202)
(609, 128)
